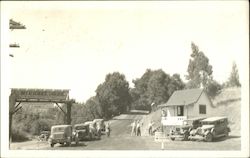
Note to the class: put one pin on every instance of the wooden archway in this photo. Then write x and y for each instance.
(56, 96)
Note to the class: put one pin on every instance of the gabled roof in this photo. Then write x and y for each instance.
(184, 97)
(212, 119)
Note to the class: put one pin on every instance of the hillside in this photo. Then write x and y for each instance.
(226, 103)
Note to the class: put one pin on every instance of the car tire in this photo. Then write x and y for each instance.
(90, 136)
(226, 132)
(172, 139)
(209, 137)
(68, 143)
(186, 136)
(52, 145)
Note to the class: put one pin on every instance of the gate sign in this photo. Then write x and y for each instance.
(41, 94)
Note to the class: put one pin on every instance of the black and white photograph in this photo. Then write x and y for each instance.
(125, 78)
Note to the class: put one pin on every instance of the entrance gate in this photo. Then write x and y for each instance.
(56, 96)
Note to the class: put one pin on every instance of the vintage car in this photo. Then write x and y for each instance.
(61, 134)
(93, 130)
(44, 135)
(182, 132)
(100, 124)
(81, 131)
(213, 127)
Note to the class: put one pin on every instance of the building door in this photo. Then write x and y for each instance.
(180, 110)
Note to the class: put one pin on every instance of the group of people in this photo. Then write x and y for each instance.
(136, 128)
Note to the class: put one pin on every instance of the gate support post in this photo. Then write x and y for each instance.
(68, 117)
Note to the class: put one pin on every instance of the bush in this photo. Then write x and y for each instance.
(213, 88)
(18, 135)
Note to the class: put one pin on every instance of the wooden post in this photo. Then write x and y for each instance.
(68, 117)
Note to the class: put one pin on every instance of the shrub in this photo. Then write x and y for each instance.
(18, 135)
(213, 88)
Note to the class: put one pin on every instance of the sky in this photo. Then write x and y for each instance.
(73, 45)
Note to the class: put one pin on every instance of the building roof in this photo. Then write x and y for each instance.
(211, 119)
(184, 97)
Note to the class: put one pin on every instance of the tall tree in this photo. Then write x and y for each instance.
(234, 77)
(199, 69)
(113, 95)
(154, 88)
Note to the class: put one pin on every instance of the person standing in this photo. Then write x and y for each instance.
(138, 129)
(107, 129)
(133, 130)
(150, 126)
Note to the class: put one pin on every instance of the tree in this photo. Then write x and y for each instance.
(154, 88)
(113, 95)
(234, 77)
(199, 69)
(93, 108)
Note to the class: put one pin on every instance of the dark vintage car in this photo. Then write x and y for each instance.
(213, 127)
(99, 125)
(81, 131)
(62, 134)
(93, 133)
(182, 132)
(44, 135)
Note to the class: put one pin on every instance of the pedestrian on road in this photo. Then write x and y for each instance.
(138, 129)
(108, 129)
(150, 127)
(133, 130)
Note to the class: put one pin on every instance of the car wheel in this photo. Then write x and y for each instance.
(185, 136)
(172, 139)
(52, 145)
(209, 137)
(226, 132)
(90, 136)
(68, 143)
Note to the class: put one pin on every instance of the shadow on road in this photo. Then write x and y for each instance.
(225, 138)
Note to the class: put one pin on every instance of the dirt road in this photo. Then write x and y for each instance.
(120, 139)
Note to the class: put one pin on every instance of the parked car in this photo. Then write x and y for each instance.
(100, 124)
(213, 127)
(183, 131)
(44, 135)
(81, 131)
(61, 134)
(93, 130)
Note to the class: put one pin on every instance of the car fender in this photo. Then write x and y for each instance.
(206, 133)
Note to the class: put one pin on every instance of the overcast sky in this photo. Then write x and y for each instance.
(74, 45)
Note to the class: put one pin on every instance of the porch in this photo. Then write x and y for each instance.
(173, 120)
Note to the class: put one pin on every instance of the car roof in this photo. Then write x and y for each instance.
(88, 122)
(98, 120)
(211, 119)
(57, 126)
(196, 118)
(80, 124)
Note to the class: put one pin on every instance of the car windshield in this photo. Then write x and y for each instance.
(80, 127)
(58, 129)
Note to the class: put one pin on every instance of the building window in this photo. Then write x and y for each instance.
(202, 109)
(180, 110)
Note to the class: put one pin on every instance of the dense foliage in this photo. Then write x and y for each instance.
(200, 73)
(113, 95)
(233, 80)
(199, 69)
(154, 88)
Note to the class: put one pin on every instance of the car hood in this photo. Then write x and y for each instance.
(207, 126)
(82, 130)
